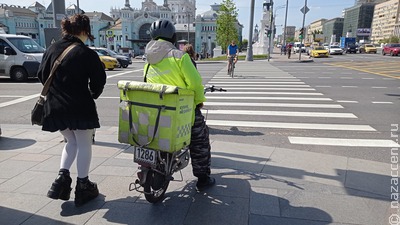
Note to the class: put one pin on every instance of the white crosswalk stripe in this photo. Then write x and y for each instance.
(275, 108)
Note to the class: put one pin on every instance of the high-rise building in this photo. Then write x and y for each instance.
(385, 21)
(369, 1)
(357, 18)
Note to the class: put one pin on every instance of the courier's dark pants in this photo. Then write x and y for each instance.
(200, 146)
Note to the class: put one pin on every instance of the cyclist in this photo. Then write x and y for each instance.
(232, 53)
(168, 65)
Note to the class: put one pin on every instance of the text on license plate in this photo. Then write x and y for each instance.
(145, 155)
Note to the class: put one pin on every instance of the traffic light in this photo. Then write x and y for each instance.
(301, 33)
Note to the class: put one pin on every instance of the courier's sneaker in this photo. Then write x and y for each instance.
(61, 187)
(85, 191)
(205, 183)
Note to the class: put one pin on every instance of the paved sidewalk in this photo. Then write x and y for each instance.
(255, 185)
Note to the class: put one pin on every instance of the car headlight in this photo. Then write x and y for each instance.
(30, 57)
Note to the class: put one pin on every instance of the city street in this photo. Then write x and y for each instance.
(283, 105)
(292, 143)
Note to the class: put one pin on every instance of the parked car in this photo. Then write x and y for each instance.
(352, 48)
(367, 48)
(335, 50)
(123, 61)
(392, 49)
(319, 51)
(20, 57)
(108, 62)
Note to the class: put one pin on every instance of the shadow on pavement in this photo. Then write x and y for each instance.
(356, 183)
(13, 216)
(7, 143)
(234, 131)
(228, 202)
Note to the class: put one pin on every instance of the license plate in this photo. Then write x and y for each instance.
(145, 155)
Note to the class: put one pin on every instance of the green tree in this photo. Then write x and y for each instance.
(314, 33)
(290, 39)
(226, 20)
(245, 43)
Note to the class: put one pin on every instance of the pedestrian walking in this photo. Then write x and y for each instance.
(289, 50)
(70, 106)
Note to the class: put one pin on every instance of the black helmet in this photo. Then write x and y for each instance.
(163, 29)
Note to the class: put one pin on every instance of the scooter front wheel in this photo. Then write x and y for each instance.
(155, 186)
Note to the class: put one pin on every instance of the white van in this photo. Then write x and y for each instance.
(298, 46)
(20, 57)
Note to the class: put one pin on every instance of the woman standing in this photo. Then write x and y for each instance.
(70, 106)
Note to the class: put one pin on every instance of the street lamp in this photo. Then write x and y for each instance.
(284, 31)
(274, 30)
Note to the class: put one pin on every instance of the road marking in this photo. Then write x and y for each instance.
(346, 101)
(382, 102)
(368, 78)
(19, 100)
(346, 78)
(349, 86)
(303, 77)
(270, 98)
(260, 82)
(309, 126)
(379, 87)
(263, 93)
(320, 86)
(29, 97)
(119, 74)
(324, 77)
(280, 113)
(343, 142)
(280, 89)
(263, 85)
(255, 82)
(353, 67)
(289, 105)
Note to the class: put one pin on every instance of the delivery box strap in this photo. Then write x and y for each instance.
(152, 106)
(160, 108)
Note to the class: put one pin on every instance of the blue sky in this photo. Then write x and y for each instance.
(318, 9)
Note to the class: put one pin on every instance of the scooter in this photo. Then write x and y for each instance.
(156, 168)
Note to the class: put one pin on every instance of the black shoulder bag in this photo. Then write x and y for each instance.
(37, 113)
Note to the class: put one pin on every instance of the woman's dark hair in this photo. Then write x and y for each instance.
(75, 25)
(188, 48)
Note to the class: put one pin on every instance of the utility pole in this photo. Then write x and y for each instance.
(284, 28)
(188, 18)
(58, 12)
(249, 56)
(304, 19)
(270, 30)
(77, 5)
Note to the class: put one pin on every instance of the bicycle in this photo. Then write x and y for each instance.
(231, 67)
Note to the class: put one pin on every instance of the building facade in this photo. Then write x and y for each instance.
(315, 31)
(206, 31)
(332, 30)
(386, 17)
(357, 18)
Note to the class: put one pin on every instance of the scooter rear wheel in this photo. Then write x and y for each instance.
(155, 186)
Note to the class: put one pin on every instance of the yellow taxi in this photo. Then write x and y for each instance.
(319, 51)
(108, 62)
(367, 48)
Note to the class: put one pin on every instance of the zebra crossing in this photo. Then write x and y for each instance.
(281, 101)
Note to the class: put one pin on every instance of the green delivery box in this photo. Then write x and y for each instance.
(155, 116)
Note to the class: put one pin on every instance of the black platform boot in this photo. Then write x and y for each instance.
(61, 187)
(85, 191)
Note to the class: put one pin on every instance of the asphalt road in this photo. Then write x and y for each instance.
(368, 96)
